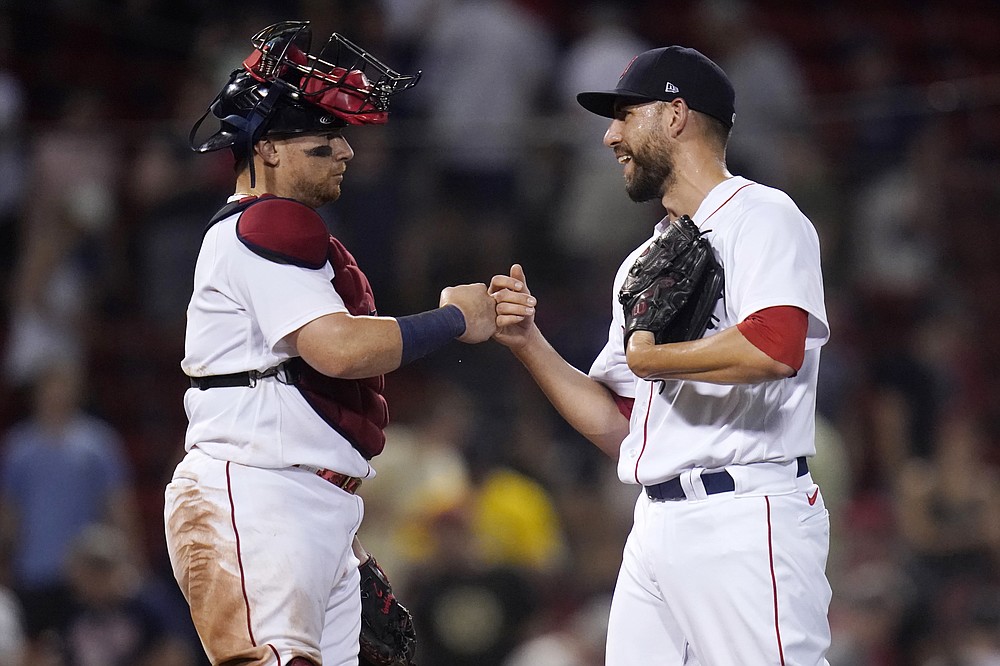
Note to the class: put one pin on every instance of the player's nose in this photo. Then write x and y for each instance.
(613, 135)
(342, 149)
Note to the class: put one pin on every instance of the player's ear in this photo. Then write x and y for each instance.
(267, 151)
(675, 116)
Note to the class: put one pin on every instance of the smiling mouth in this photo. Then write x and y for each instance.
(624, 159)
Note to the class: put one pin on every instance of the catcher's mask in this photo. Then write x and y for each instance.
(282, 89)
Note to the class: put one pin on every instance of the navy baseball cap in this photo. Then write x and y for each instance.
(665, 74)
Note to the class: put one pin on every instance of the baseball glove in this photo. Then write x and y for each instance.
(387, 636)
(673, 286)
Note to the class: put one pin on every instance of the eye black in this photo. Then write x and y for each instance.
(320, 151)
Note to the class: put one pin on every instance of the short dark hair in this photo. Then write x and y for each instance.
(716, 130)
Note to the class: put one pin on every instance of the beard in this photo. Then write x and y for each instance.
(653, 171)
(317, 194)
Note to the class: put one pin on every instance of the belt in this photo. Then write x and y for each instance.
(714, 482)
(344, 482)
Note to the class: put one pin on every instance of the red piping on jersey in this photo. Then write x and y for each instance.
(645, 434)
(727, 201)
(774, 581)
(239, 554)
(645, 425)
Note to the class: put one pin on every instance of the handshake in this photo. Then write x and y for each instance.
(504, 310)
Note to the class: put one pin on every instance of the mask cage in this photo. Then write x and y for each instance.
(343, 79)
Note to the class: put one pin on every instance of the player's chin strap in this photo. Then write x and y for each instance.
(260, 114)
(247, 129)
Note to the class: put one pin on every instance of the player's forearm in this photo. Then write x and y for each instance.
(584, 403)
(724, 358)
(348, 347)
(355, 347)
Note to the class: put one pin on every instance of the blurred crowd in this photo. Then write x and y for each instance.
(500, 528)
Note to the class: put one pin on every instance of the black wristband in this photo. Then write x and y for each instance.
(429, 331)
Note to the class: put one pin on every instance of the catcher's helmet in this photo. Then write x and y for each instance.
(283, 89)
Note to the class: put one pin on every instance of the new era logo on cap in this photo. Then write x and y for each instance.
(671, 88)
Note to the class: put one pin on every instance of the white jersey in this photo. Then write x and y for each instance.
(769, 253)
(241, 309)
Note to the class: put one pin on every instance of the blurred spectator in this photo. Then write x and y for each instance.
(949, 539)
(947, 508)
(867, 616)
(421, 471)
(899, 220)
(116, 617)
(65, 248)
(578, 640)
(771, 89)
(892, 409)
(466, 612)
(173, 199)
(515, 521)
(892, 416)
(433, 463)
(467, 542)
(486, 570)
(881, 114)
(485, 63)
(595, 220)
(61, 470)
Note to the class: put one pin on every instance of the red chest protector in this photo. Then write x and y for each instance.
(285, 231)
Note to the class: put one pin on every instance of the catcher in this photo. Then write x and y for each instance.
(706, 403)
(286, 355)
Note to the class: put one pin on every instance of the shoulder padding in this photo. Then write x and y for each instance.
(284, 231)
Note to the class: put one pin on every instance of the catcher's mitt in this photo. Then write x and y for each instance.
(387, 636)
(673, 286)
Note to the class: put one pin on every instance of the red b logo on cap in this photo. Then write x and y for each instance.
(627, 67)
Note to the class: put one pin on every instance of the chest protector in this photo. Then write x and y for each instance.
(285, 231)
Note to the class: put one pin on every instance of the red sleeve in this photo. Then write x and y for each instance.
(779, 332)
(624, 405)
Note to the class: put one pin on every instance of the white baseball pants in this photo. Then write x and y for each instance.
(725, 579)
